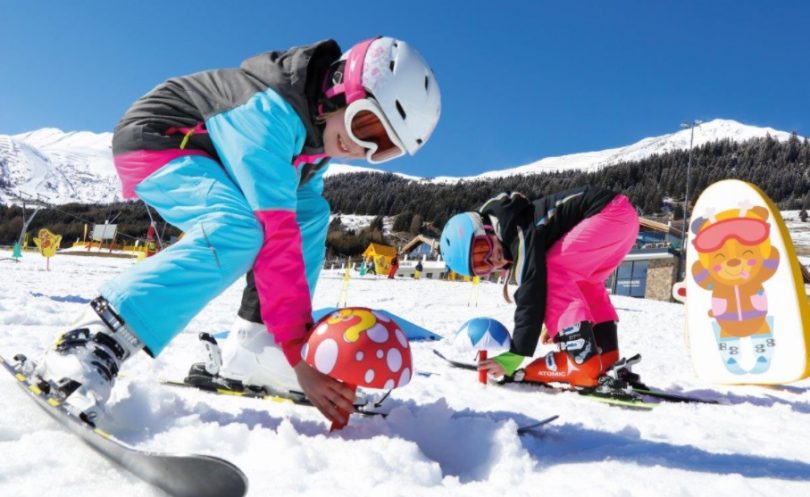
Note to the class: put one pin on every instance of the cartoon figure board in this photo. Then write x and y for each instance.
(747, 313)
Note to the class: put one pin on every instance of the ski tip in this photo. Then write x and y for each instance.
(534, 426)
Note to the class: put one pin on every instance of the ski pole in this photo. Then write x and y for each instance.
(344, 290)
(476, 282)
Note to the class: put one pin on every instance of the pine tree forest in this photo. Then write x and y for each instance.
(656, 185)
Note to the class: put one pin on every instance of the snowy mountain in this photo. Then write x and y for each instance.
(708, 132)
(718, 129)
(77, 166)
(58, 167)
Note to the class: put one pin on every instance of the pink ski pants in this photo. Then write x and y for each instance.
(579, 263)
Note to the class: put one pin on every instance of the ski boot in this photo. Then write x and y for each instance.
(248, 359)
(617, 376)
(607, 342)
(85, 361)
(763, 345)
(577, 363)
(729, 349)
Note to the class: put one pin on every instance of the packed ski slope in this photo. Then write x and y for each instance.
(446, 434)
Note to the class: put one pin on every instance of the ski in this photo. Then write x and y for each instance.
(636, 396)
(457, 364)
(179, 475)
(619, 398)
(670, 396)
(298, 398)
(365, 407)
(620, 372)
(533, 427)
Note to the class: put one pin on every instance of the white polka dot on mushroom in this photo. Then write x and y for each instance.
(380, 354)
(404, 378)
(359, 356)
(403, 340)
(369, 377)
(394, 360)
(326, 356)
(378, 333)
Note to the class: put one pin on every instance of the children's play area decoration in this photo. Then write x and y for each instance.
(361, 348)
(747, 313)
(48, 242)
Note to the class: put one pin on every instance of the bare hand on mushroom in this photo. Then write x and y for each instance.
(325, 392)
(545, 339)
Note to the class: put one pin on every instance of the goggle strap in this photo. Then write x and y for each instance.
(353, 79)
(335, 90)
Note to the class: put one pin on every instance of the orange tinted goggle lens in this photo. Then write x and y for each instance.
(480, 254)
(366, 126)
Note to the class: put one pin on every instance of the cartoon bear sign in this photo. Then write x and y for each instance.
(747, 314)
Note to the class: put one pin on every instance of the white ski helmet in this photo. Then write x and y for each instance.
(397, 78)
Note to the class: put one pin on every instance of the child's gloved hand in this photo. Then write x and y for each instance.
(325, 392)
(502, 364)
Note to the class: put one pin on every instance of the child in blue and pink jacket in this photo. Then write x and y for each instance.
(235, 158)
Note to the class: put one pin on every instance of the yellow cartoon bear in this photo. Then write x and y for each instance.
(735, 258)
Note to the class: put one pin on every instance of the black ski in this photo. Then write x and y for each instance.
(620, 372)
(179, 475)
(669, 396)
(637, 395)
(199, 379)
(617, 397)
(533, 427)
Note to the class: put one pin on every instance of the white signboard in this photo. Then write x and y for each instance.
(103, 232)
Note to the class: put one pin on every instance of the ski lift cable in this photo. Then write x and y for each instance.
(79, 218)
(43, 204)
(116, 217)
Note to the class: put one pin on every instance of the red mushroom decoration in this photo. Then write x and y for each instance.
(361, 348)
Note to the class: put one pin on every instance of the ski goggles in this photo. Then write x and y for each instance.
(746, 230)
(368, 127)
(481, 251)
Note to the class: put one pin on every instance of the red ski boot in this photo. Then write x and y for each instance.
(577, 363)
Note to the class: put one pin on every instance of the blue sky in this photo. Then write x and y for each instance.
(520, 80)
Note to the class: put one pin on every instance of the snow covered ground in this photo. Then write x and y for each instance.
(446, 434)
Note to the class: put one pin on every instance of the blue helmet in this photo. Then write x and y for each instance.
(456, 241)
